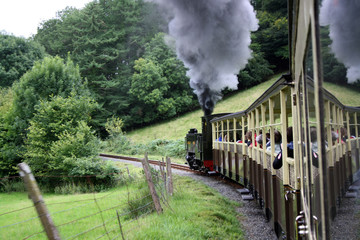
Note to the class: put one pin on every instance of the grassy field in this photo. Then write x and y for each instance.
(177, 128)
(195, 212)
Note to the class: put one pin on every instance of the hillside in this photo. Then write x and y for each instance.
(177, 128)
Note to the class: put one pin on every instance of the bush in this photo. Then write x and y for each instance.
(170, 148)
(122, 145)
(12, 185)
(118, 143)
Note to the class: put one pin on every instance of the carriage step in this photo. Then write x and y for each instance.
(247, 197)
(354, 188)
(212, 172)
(243, 191)
(245, 194)
(351, 194)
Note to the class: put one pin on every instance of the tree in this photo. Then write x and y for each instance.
(160, 88)
(173, 70)
(51, 77)
(17, 55)
(148, 87)
(59, 135)
(104, 38)
(255, 72)
(272, 38)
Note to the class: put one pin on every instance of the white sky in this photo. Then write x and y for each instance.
(22, 17)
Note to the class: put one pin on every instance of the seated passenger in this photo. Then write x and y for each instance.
(313, 139)
(344, 136)
(238, 138)
(334, 136)
(277, 145)
(290, 143)
(248, 137)
(314, 147)
(259, 139)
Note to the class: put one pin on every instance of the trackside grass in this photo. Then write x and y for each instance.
(195, 212)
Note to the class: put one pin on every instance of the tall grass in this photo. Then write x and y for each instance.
(197, 212)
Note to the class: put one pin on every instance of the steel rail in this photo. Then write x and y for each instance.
(153, 162)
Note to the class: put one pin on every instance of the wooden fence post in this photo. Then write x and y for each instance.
(169, 176)
(121, 230)
(151, 185)
(36, 197)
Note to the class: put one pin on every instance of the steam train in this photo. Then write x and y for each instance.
(302, 197)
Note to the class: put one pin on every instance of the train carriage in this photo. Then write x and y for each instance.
(320, 140)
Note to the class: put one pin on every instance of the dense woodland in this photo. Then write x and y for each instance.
(88, 75)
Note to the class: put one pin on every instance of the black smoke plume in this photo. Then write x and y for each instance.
(212, 38)
(343, 18)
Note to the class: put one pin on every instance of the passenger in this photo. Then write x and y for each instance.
(334, 136)
(259, 139)
(313, 139)
(238, 139)
(267, 139)
(290, 143)
(277, 163)
(277, 146)
(248, 138)
(343, 132)
(314, 147)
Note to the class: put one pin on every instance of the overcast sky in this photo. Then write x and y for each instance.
(22, 17)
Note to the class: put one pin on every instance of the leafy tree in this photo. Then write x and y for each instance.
(272, 38)
(51, 77)
(148, 87)
(159, 88)
(6, 164)
(255, 72)
(59, 134)
(17, 55)
(104, 38)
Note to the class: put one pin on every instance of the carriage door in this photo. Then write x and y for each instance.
(313, 220)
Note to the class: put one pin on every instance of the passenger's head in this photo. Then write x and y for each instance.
(277, 136)
(249, 135)
(289, 134)
(313, 134)
(343, 132)
(259, 139)
(334, 136)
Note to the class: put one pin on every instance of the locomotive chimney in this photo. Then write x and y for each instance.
(207, 103)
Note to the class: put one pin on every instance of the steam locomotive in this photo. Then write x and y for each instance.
(198, 145)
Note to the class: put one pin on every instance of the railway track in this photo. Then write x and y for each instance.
(177, 166)
(181, 167)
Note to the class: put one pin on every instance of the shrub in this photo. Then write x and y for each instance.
(12, 185)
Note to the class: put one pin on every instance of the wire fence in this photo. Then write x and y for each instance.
(112, 214)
